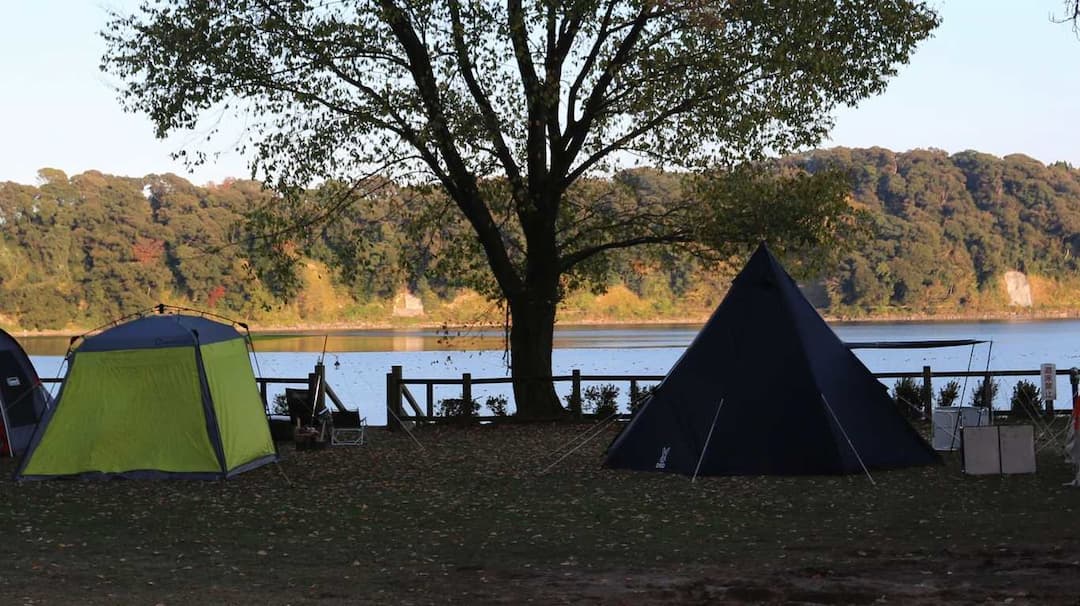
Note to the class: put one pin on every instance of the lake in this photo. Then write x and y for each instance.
(357, 360)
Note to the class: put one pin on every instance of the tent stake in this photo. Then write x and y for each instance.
(859, 458)
(288, 482)
(708, 438)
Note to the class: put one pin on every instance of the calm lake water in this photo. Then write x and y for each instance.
(357, 360)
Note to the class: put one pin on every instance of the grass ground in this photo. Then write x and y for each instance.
(470, 520)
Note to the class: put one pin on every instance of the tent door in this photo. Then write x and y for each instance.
(5, 445)
(15, 392)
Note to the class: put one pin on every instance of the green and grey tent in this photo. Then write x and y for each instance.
(161, 396)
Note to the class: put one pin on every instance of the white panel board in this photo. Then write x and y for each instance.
(949, 421)
(981, 452)
(1017, 448)
(946, 429)
(974, 416)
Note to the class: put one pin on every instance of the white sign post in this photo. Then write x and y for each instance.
(1048, 373)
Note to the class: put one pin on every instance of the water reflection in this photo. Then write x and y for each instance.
(406, 340)
(1031, 336)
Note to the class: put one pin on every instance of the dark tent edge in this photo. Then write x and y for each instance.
(911, 344)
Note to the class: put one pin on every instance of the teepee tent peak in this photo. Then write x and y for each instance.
(170, 395)
(794, 399)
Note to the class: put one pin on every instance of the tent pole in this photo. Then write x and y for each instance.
(402, 423)
(857, 456)
(583, 442)
(708, 438)
(986, 381)
(581, 436)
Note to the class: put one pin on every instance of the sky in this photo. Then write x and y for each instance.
(996, 77)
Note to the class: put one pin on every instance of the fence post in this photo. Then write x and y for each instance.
(575, 393)
(927, 392)
(393, 398)
(466, 389)
(262, 394)
(319, 394)
(430, 400)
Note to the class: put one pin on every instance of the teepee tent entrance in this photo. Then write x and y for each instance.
(23, 400)
(767, 387)
(160, 396)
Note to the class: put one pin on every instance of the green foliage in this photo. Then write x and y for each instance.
(79, 251)
(1026, 400)
(804, 217)
(640, 395)
(945, 228)
(280, 405)
(909, 398)
(985, 393)
(513, 143)
(459, 409)
(948, 394)
(601, 400)
(497, 405)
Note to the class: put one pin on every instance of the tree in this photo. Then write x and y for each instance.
(510, 107)
(1070, 15)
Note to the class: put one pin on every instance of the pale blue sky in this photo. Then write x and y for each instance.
(996, 77)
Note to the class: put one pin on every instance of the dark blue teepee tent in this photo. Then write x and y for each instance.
(771, 389)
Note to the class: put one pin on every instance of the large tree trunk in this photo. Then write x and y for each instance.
(532, 332)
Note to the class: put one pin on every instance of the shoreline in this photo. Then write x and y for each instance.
(319, 327)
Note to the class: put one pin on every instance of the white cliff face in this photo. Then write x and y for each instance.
(407, 305)
(1016, 284)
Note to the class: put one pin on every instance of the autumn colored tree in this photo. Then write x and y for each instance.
(510, 106)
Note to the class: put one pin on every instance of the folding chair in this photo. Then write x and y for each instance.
(348, 428)
(309, 425)
(301, 413)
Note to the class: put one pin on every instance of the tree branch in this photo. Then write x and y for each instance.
(569, 261)
(458, 174)
(491, 119)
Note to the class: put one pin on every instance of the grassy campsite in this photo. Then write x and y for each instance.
(469, 518)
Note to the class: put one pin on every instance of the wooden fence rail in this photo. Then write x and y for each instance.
(397, 388)
(398, 393)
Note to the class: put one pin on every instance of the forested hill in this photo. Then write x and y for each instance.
(949, 230)
(950, 233)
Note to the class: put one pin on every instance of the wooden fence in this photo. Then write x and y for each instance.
(398, 393)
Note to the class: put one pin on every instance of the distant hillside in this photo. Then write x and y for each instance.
(966, 234)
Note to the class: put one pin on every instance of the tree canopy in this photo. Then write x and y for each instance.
(512, 108)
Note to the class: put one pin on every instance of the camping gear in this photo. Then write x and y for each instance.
(766, 387)
(23, 400)
(160, 396)
(948, 422)
(1072, 444)
(348, 428)
(999, 449)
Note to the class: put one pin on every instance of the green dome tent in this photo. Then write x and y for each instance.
(160, 396)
